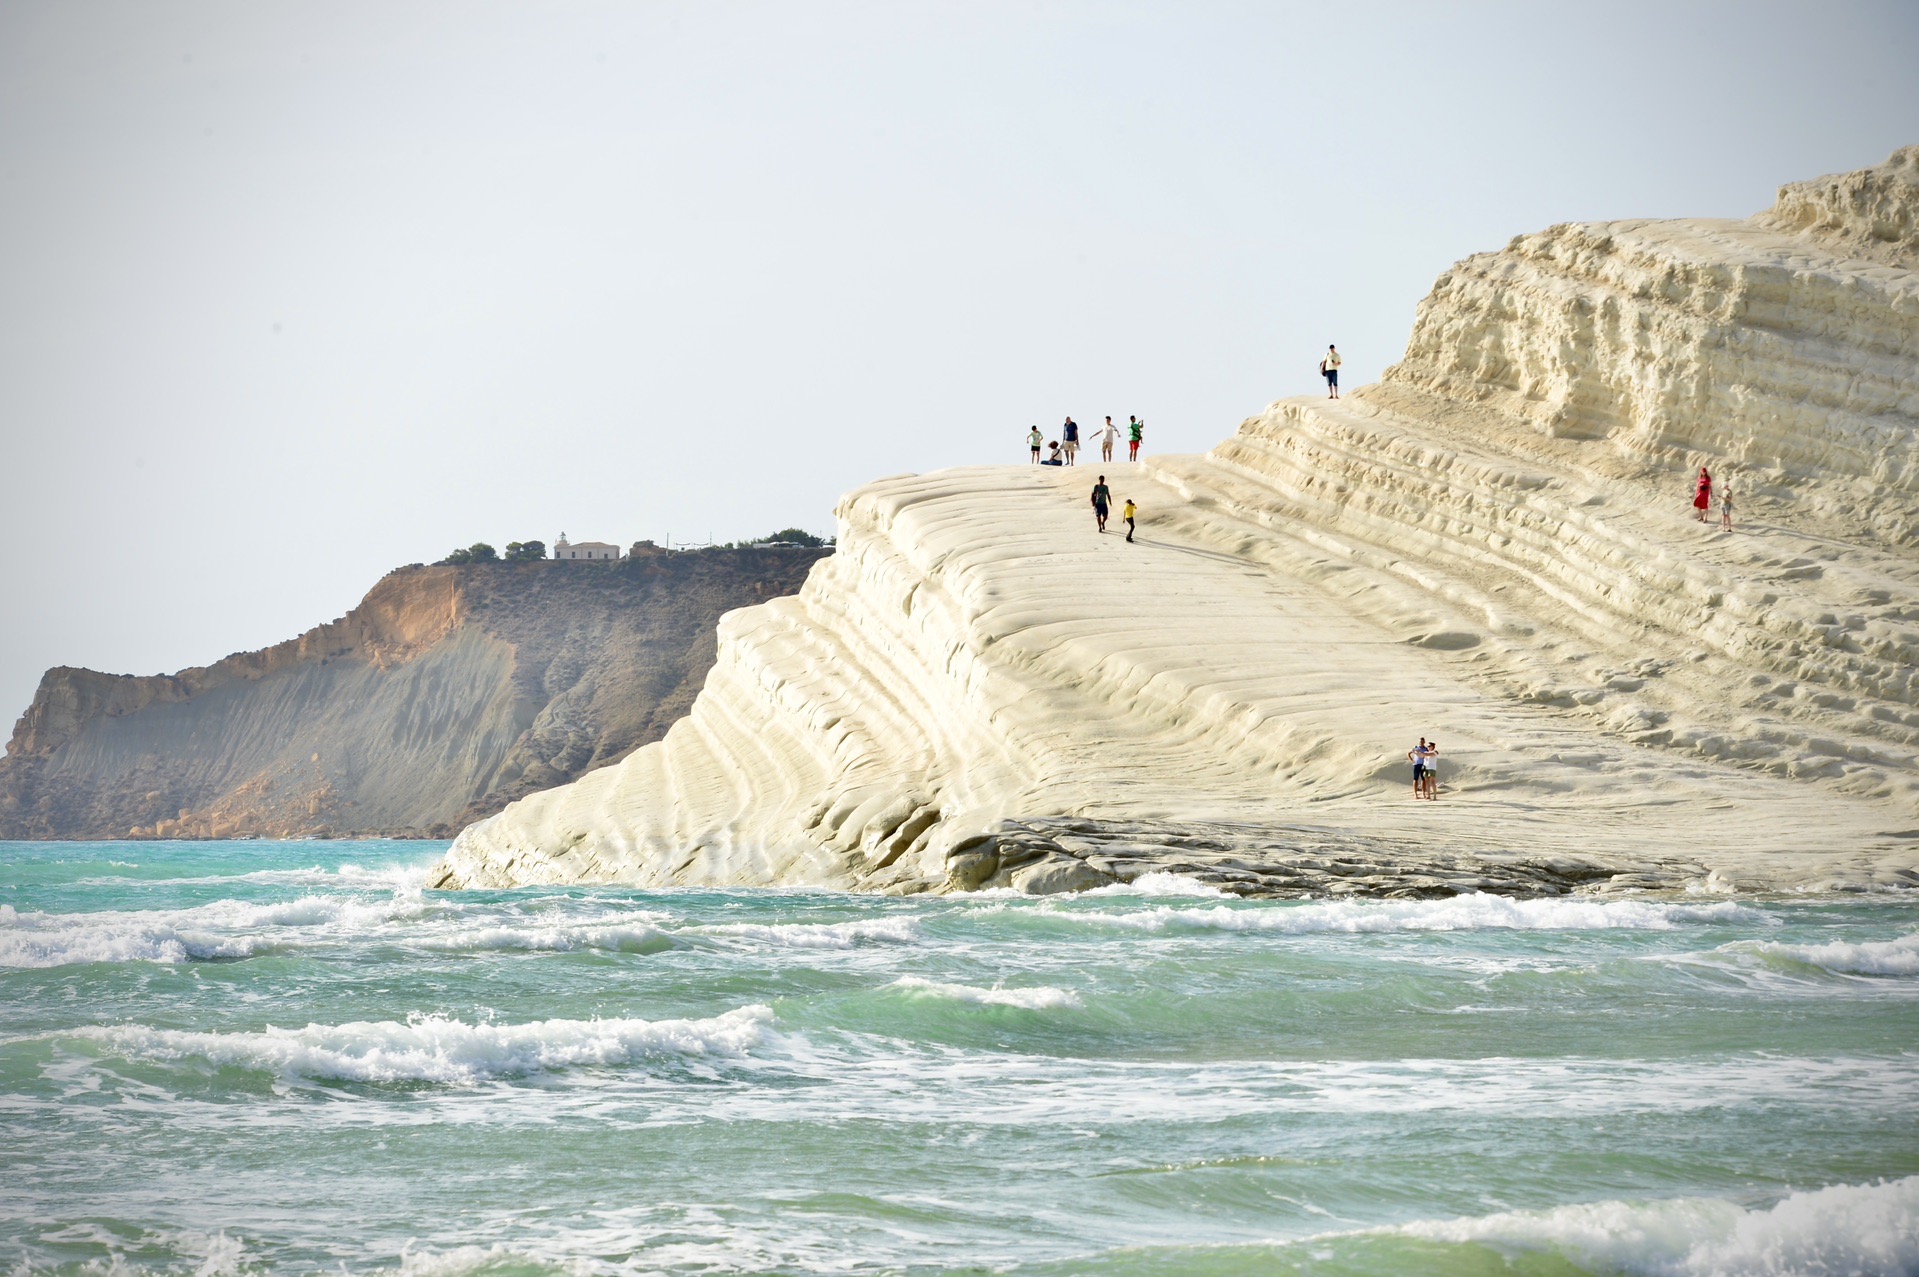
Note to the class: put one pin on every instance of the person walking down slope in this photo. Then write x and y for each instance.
(1128, 512)
(1033, 440)
(1069, 436)
(1108, 436)
(1329, 366)
(1135, 429)
(1102, 501)
(1702, 494)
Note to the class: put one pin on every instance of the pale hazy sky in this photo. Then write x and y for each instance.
(293, 293)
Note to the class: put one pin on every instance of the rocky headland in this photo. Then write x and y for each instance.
(447, 693)
(1493, 547)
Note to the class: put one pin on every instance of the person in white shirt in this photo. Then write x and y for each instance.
(1330, 367)
(1107, 438)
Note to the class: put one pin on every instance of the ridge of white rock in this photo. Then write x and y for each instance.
(1493, 547)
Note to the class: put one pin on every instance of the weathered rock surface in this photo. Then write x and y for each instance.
(1493, 546)
(446, 694)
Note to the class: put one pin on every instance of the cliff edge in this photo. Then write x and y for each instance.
(1493, 547)
(447, 693)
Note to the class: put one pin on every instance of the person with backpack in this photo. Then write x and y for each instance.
(1135, 430)
(1329, 367)
(1102, 502)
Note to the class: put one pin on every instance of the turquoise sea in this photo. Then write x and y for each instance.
(224, 1058)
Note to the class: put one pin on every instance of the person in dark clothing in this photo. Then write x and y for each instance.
(1102, 501)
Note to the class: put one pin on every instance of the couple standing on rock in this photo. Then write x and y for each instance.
(1425, 756)
(1103, 501)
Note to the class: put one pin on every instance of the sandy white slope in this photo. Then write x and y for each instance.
(1492, 547)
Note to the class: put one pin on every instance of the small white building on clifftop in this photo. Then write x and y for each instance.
(598, 550)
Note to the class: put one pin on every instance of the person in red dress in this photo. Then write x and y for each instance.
(1702, 499)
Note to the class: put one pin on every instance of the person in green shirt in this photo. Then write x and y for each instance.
(1135, 428)
(1033, 441)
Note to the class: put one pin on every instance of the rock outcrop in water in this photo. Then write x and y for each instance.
(447, 693)
(1493, 547)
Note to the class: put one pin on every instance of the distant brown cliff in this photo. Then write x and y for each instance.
(447, 693)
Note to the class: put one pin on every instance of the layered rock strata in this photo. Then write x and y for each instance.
(447, 693)
(1493, 546)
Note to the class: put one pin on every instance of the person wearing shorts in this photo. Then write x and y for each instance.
(1102, 502)
(1330, 366)
(1432, 770)
(1419, 754)
(1069, 438)
(1128, 511)
(1134, 429)
(1108, 436)
(1033, 441)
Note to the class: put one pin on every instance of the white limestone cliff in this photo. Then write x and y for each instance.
(1493, 546)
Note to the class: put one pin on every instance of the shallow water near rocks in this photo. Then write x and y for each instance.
(240, 1057)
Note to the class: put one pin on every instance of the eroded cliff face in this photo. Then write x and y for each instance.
(447, 693)
(1493, 547)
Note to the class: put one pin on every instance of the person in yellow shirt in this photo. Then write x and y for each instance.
(1129, 513)
(1330, 367)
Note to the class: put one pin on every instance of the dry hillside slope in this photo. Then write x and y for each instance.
(1493, 547)
(448, 692)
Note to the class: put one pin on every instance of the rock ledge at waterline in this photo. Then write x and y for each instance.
(1492, 546)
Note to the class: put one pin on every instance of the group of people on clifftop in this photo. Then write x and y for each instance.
(1065, 449)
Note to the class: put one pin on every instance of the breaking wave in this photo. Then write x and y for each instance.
(1476, 912)
(439, 1049)
(821, 935)
(1898, 957)
(1042, 998)
(1161, 883)
(222, 929)
(1866, 1228)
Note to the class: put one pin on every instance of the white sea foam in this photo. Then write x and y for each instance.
(1161, 883)
(439, 1049)
(1476, 912)
(219, 929)
(821, 935)
(1865, 1228)
(1898, 957)
(1039, 998)
(37, 940)
(473, 1261)
(613, 937)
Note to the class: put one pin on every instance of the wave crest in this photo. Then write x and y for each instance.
(440, 1049)
(1041, 998)
(1865, 1228)
(821, 935)
(1475, 912)
(1898, 957)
